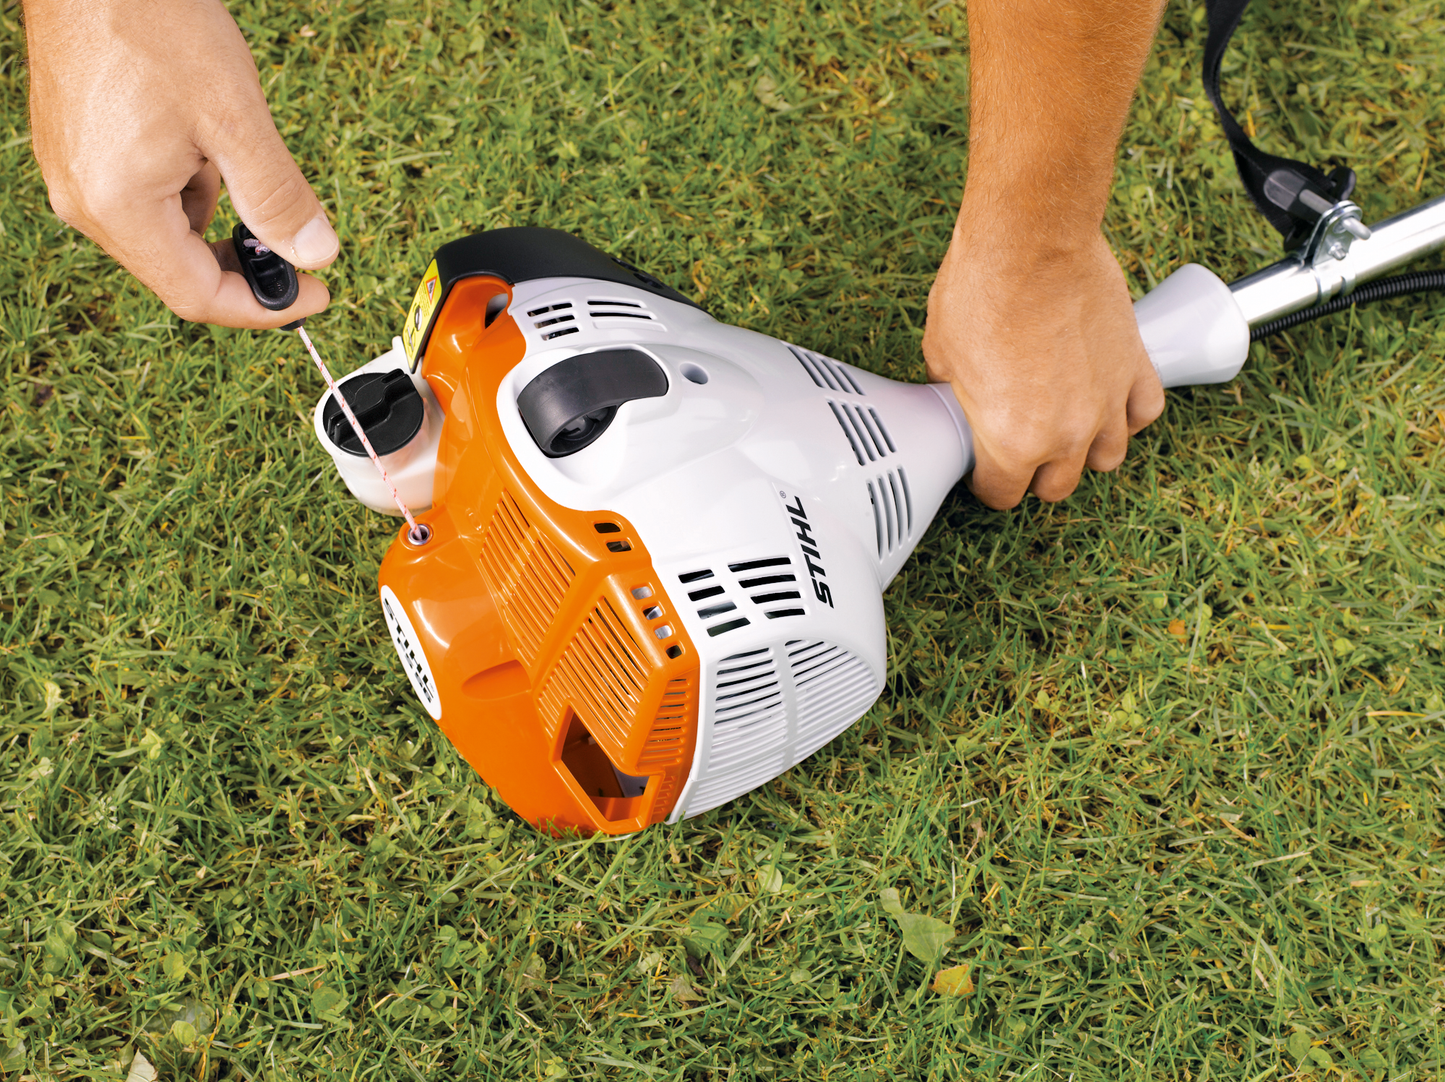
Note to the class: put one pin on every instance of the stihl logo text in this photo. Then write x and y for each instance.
(811, 556)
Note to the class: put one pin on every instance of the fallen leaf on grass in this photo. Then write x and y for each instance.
(923, 937)
(953, 981)
(141, 1070)
(681, 990)
(767, 93)
(531, 975)
(12, 1057)
(181, 1020)
(769, 878)
(705, 937)
(1177, 629)
(327, 1003)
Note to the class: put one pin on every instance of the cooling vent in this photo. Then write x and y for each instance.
(602, 675)
(554, 320)
(665, 745)
(564, 317)
(831, 687)
(752, 740)
(864, 430)
(892, 509)
(826, 372)
(771, 586)
(712, 602)
(527, 574)
(617, 310)
(750, 730)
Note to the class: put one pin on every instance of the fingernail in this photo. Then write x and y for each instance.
(316, 243)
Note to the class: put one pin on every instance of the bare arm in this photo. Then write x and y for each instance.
(140, 109)
(1030, 319)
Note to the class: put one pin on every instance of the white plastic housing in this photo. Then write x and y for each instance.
(411, 468)
(1192, 328)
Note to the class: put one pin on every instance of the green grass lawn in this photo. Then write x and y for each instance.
(1166, 758)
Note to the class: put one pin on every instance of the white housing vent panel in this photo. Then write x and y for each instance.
(772, 707)
(832, 689)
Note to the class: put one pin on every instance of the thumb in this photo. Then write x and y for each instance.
(274, 200)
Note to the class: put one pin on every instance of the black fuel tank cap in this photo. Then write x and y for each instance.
(569, 405)
(388, 406)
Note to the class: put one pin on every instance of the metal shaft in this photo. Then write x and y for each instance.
(1293, 284)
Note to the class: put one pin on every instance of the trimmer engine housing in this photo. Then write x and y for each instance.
(658, 542)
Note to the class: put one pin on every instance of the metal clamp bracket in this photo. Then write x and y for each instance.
(1325, 252)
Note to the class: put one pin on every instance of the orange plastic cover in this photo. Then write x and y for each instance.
(564, 676)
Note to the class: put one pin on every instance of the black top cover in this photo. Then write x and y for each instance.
(386, 403)
(524, 253)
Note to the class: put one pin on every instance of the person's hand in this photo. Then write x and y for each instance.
(1042, 350)
(140, 109)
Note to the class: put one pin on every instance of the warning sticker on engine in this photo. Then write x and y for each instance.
(423, 307)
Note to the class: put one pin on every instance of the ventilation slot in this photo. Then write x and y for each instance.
(892, 510)
(668, 740)
(848, 432)
(750, 731)
(771, 585)
(603, 309)
(730, 625)
(832, 689)
(826, 372)
(864, 430)
(557, 316)
(711, 601)
(601, 675)
(526, 572)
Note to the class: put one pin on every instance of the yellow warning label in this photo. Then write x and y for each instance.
(423, 306)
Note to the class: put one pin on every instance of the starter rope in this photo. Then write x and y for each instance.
(416, 532)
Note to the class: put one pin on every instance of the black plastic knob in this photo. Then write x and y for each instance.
(571, 404)
(388, 406)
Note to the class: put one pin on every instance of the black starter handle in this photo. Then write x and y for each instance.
(272, 280)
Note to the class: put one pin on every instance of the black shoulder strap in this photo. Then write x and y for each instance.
(1292, 195)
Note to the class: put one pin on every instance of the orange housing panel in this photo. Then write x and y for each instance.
(540, 624)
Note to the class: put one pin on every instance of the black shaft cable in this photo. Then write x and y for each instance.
(1384, 289)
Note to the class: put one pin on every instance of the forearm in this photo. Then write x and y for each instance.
(1029, 318)
(1051, 85)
